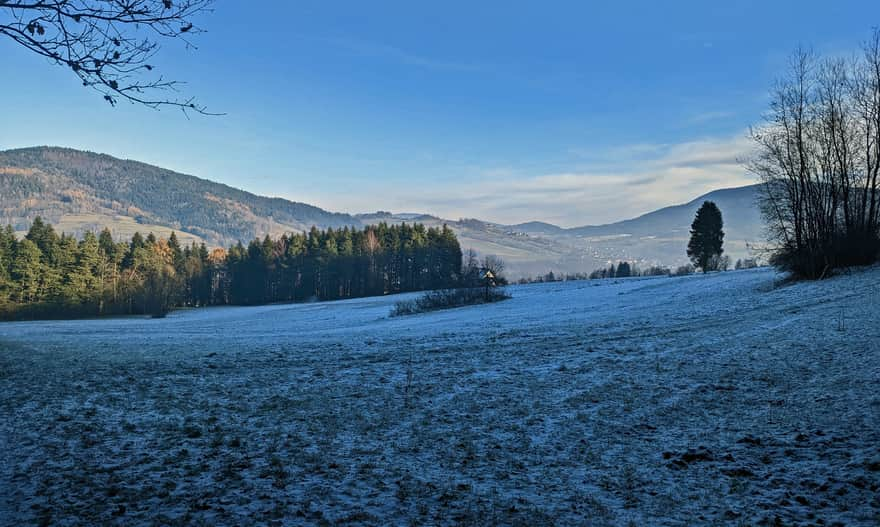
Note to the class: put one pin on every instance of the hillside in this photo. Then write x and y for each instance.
(83, 190)
(79, 191)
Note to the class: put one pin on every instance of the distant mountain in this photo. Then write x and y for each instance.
(738, 206)
(656, 238)
(79, 191)
(538, 227)
(82, 190)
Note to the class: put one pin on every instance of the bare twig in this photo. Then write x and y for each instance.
(108, 44)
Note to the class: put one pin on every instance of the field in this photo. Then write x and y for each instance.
(727, 399)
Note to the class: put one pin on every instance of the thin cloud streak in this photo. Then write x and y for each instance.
(675, 173)
(382, 51)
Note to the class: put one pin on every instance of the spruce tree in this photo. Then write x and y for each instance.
(105, 241)
(85, 281)
(26, 272)
(7, 255)
(177, 257)
(44, 236)
(707, 237)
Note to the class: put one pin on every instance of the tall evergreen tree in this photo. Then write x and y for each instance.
(707, 237)
(84, 282)
(176, 252)
(26, 272)
(46, 240)
(7, 256)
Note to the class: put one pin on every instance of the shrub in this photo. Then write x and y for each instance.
(447, 299)
(684, 270)
(748, 263)
(841, 250)
(656, 270)
(718, 262)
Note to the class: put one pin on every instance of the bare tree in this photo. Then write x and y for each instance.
(108, 44)
(819, 157)
(866, 94)
(495, 265)
(470, 271)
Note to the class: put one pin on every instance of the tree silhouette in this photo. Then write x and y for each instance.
(818, 157)
(707, 237)
(108, 44)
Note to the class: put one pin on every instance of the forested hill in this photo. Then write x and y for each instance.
(80, 191)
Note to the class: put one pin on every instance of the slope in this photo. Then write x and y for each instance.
(82, 190)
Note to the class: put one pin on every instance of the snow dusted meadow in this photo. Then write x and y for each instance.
(728, 399)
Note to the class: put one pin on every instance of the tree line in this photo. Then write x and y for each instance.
(45, 274)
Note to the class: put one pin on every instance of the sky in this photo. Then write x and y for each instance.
(572, 113)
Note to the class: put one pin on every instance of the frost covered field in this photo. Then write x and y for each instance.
(714, 400)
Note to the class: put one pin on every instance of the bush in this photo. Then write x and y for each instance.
(684, 270)
(718, 262)
(447, 299)
(842, 250)
(748, 263)
(656, 270)
(46, 311)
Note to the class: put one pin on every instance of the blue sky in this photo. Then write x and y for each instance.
(568, 112)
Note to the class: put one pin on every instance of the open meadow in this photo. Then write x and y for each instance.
(726, 399)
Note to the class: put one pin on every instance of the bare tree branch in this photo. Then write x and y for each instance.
(108, 44)
(818, 156)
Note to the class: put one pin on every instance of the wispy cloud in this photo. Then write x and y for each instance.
(654, 176)
(378, 50)
(676, 173)
(706, 117)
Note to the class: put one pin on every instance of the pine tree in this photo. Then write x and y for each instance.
(84, 283)
(707, 237)
(7, 255)
(26, 272)
(105, 242)
(176, 253)
(46, 240)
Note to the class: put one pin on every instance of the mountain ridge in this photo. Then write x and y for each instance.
(68, 181)
(79, 190)
(717, 194)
